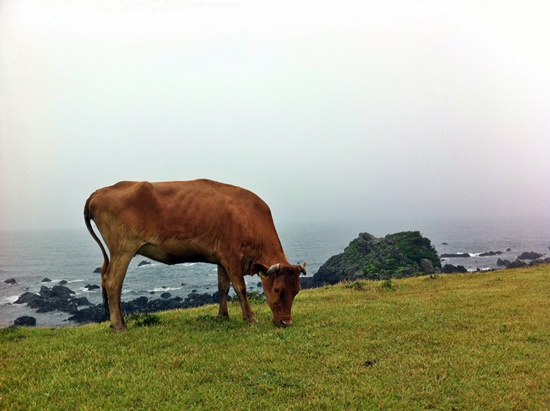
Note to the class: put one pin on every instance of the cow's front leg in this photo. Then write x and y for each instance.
(240, 289)
(223, 288)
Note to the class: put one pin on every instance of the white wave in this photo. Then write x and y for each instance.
(9, 300)
(158, 290)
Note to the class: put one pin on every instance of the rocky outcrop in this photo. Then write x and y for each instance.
(451, 269)
(57, 298)
(396, 255)
(96, 313)
(25, 321)
(490, 253)
(530, 255)
(91, 287)
(10, 281)
(455, 255)
(60, 298)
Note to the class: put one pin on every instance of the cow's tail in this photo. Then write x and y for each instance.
(87, 218)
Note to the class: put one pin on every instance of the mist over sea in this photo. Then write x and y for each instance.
(72, 255)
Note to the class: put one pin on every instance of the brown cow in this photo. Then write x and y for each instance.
(193, 221)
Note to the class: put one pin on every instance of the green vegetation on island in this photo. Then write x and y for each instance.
(398, 255)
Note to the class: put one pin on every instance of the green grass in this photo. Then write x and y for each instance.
(454, 342)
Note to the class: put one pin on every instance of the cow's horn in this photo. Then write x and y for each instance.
(274, 268)
(303, 268)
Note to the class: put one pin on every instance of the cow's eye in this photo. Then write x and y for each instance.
(277, 290)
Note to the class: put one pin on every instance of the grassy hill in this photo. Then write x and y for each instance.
(464, 342)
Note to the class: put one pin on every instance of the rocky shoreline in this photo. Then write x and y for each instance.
(61, 298)
(398, 255)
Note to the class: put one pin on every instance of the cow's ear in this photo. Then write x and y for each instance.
(259, 269)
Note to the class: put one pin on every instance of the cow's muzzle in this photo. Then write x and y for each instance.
(283, 323)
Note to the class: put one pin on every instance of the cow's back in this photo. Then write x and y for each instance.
(212, 216)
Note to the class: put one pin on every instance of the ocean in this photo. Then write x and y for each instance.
(30, 257)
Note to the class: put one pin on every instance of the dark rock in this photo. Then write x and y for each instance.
(455, 255)
(508, 249)
(450, 269)
(144, 262)
(10, 281)
(26, 297)
(444, 243)
(46, 280)
(57, 291)
(395, 255)
(165, 295)
(308, 282)
(58, 298)
(426, 266)
(97, 270)
(81, 301)
(501, 262)
(216, 297)
(63, 282)
(530, 256)
(196, 300)
(490, 253)
(517, 264)
(94, 313)
(137, 305)
(91, 287)
(25, 321)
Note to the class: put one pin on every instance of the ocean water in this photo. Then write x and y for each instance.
(29, 257)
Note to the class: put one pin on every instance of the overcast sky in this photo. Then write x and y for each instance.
(330, 111)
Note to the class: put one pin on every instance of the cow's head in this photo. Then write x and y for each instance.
(281, 283)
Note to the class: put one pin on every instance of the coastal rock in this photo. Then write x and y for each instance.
(501, 262)
(25, 321)
(26, 298)
(91, 287)
(196, 300)
(96, 313)
(490, 253)
(63, 282)
(530, 256)
(144, 262)
(46, 280)
(426, 266)
(395, 255)
(455, 255)
(165, 295)
(92, 314)
(450, 269)
(216, 297)
(58, 298)
(10, 281)
(516, 264)
(57, 291)
(97, 270)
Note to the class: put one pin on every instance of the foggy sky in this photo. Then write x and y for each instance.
(329, 111)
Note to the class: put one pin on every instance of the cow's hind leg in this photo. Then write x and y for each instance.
(104, 269)
(223, 288)
(114, 277)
